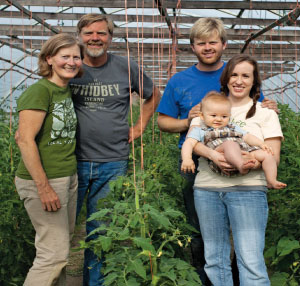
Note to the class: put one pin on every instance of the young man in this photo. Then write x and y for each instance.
(101, 99)
(180, 104)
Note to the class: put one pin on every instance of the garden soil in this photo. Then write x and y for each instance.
(75, 265)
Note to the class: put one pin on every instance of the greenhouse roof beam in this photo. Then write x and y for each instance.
(169, 4)
(164, 13)
(287, 19)
(146, 18)
(31, 15)
(16, 65)
(6, 29)
(265, 48)
(15, 46)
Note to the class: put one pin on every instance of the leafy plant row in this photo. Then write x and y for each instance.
(283, 231)
(144, 231)
(16, 232)
(145, 235)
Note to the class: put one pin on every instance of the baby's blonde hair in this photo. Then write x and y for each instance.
(216, 97)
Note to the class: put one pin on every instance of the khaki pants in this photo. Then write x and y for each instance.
(53, 230)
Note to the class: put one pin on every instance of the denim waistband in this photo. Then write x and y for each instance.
(233, 189)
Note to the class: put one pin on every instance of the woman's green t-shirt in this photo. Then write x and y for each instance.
(56, 138)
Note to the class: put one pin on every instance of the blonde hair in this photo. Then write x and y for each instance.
(206, 27)
(91, 18)
(51, 48)
(216, 97)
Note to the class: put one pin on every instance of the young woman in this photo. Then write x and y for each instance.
(238, 203)
(46, 177)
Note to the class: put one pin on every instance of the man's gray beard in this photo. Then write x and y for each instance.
(95, 53)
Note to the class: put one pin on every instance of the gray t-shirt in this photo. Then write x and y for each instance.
(101, 100)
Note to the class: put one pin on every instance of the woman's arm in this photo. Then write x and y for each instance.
(30, 122)
(218, 158)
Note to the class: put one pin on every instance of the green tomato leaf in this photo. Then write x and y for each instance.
(286, 245)
(145, 244)
(110, 278)
(105, 242)
(279, 278)
(124, 234)
(139, 268)
(98, 215)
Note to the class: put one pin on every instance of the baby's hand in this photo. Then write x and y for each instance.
(188, 166)
(267, 148)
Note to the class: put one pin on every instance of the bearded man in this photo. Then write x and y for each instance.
(101, 100)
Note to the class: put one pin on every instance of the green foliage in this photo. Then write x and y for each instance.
(16, 233)
(144, 231)
(283, 235)
(145, 234)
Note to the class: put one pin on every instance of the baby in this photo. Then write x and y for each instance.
(217, 133)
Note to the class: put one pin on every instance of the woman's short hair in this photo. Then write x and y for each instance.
(52, 47)
(91, 18)
(206, 27)
(227, 72)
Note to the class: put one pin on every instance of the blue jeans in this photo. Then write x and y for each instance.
(197, 246)
(93, 181)
(246, 213)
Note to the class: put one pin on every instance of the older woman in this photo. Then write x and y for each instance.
(46, 177)
(239, 203)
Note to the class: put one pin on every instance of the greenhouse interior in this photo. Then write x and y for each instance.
(155, 34)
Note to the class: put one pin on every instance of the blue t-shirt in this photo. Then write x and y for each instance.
(185, 90)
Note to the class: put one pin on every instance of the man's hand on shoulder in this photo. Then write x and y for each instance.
(271, 104)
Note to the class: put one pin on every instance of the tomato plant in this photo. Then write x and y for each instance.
(145, 235)
(16, 232)
(283, 235)
(144, 231)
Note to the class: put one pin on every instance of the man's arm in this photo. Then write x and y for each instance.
(170, 124)
(174, 125)
(148, 108)
(271, 104)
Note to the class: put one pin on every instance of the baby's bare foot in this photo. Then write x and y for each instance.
(247, 166)
(276, 185)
